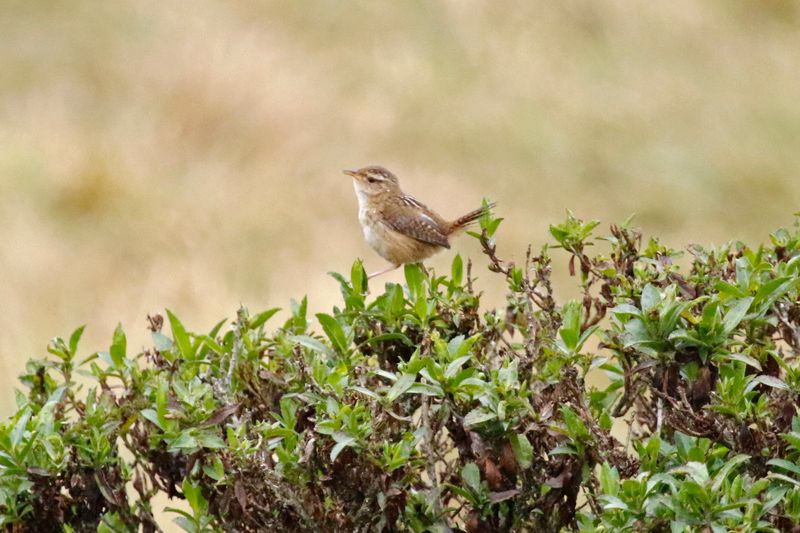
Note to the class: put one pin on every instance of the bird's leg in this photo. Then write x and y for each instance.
(375, 274)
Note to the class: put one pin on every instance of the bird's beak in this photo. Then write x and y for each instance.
(352, 173)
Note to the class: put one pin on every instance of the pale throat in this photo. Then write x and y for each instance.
(366, 202)
(363, 199)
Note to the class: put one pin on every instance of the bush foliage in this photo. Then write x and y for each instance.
(663, 399)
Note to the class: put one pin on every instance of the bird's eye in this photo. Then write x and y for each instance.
(371, 179)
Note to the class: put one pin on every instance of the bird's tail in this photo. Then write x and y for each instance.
(472, 216)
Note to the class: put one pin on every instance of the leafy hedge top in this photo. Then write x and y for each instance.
(416, 410)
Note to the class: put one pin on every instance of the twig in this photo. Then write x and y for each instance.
(431, 463)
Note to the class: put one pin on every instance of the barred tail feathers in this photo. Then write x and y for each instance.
(464, 221)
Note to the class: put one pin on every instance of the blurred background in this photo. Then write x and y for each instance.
(188, 154)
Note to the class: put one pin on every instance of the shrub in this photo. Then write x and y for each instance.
(414, 409)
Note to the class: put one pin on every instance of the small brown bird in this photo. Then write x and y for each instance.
(397, 226)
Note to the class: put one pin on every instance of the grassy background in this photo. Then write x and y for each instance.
(188, 154)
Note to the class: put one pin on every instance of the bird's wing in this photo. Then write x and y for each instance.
(417, 223)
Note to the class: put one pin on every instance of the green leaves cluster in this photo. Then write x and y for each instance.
(662, 399)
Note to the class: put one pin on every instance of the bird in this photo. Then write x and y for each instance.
(396, 225)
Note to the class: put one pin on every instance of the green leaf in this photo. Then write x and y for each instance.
(75, 338)
(415, 281)
(215, 470)
(298, 323)
(403, 383)
(573, 232)
(613, 502)
(358, 277)
(626, 309)
(58, 348)
(575, 426)
(772, 291)
(366, 392)
(710, 316)
(564, 449)
(508, 376)
(186, 522)
(723, 472)
(118, 348)
(110, 522)
(161, 403)
(180, 336)
(457, 271)
(478, 416)
(782, 477)
(453, 368)
(310, 343)
(423, 309)
(342, 441)
(215, 330)
(769, 381)
(152, 416)
(161, 342)
(261, 318)
(194, 495)
(458, 491)
(523, 450)
(785, 465)
(670, 316)
(426, 389)
(389, 337)
(279, 432)
(395, 301)
(609, 480)
(746, 359)
(471, 475)
(735, 314)
(210, 440)
(489, 224)
(212, 344)
(19, 428)
(184, 441)
(651, 297)
(459, 346)
(723, 287)
(695, 470)
(334, 332)
(454, 345)
(571, 327)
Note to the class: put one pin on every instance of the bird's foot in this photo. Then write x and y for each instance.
(375, 274)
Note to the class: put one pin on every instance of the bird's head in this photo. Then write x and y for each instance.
(373, 181)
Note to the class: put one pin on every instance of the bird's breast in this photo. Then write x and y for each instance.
(374, 231)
